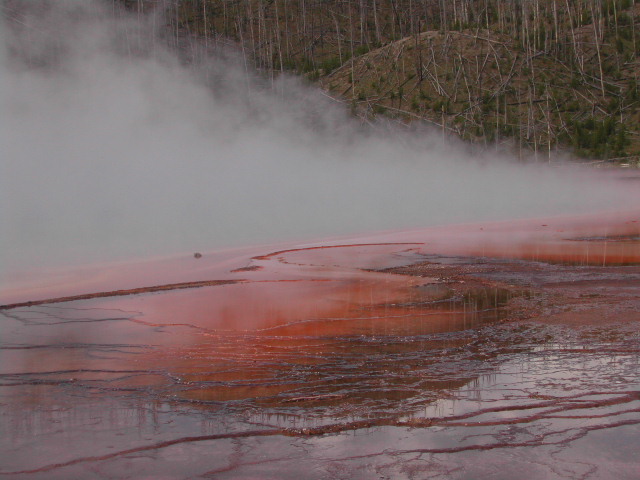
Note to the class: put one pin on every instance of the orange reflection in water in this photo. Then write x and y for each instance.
(318, 333)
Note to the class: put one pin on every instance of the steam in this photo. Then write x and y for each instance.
(114, 147)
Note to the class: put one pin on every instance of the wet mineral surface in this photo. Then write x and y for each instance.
(466, 352)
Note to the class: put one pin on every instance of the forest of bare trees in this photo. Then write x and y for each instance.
(539, 75)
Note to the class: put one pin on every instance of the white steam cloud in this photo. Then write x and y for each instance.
(112, 148)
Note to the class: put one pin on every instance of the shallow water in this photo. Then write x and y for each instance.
(362, 360)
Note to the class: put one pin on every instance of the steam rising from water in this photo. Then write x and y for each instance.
(113, 148)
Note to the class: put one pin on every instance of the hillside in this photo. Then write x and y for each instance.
(479, 86)
(540, 75)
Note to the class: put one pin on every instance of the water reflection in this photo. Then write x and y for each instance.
(536, 393)
(323, 362)
(369, 353)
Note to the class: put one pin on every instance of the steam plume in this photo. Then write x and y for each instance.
(115, 147)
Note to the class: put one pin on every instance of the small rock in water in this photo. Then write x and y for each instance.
(197, 255)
